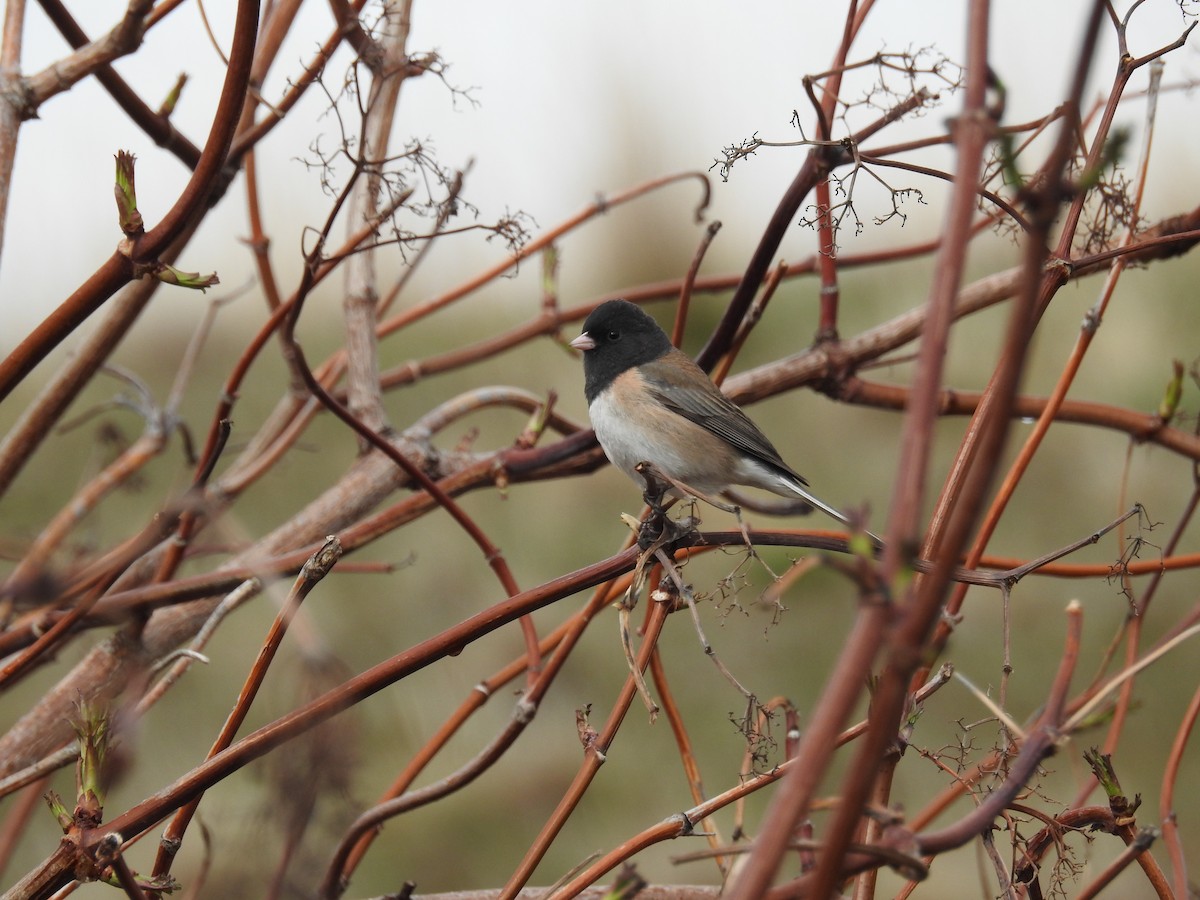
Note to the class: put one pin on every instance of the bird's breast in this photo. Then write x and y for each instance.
(633, 427)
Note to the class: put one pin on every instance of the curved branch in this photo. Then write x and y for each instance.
(119, 268)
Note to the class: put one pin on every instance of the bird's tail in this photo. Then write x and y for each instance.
(817, 503)
(832, 512)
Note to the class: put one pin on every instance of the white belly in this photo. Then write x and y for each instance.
(627, 447)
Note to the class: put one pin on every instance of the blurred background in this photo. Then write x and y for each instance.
(554, 106)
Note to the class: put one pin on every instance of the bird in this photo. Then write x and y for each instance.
(650, 403)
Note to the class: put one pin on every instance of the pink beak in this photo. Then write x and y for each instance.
(584, 342)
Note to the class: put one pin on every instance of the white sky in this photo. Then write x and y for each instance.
(575, 99)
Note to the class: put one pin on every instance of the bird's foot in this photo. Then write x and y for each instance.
(659, 529)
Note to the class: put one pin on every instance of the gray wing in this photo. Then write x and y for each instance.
(702, 403)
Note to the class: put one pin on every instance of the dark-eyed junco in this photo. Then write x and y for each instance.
(649, 402)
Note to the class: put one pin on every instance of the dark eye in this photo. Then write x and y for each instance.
(614, 336)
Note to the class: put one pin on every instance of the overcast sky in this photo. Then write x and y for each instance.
(573, 100)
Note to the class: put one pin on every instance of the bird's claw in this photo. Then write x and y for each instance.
(660, 530)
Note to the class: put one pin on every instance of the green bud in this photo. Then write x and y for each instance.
(1169, 403)
(127, 212)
